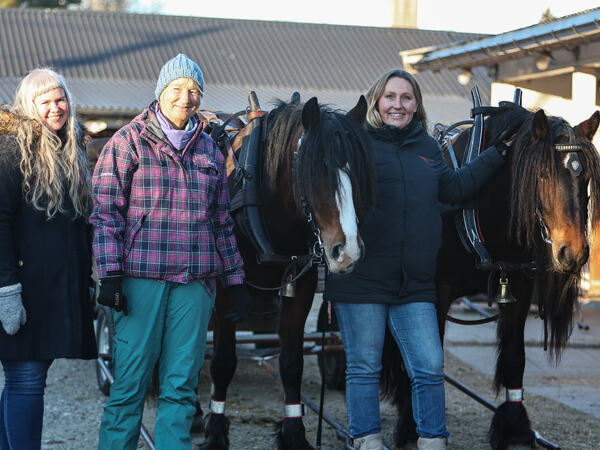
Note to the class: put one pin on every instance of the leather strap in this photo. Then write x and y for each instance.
(255, 114)
(245, 197)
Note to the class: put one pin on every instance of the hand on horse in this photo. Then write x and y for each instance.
(111, 292)
(505, 139)
(242, 303)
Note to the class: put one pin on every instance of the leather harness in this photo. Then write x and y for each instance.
(246, 202)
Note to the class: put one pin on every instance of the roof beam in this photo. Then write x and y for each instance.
(563, 34)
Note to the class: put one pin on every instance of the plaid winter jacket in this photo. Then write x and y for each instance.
(161, 213)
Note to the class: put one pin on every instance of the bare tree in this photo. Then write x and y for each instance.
(547, 16)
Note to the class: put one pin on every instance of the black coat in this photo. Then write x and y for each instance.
(51, 259)
(402, 233)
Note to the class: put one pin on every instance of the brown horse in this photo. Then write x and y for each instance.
(315, 183)
(533, 217)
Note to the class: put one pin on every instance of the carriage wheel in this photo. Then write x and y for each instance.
(331, 365)
(105, 333)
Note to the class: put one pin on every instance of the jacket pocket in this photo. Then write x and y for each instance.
(132, 233)
(204, 179)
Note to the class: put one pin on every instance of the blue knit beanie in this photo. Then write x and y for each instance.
(179, 67)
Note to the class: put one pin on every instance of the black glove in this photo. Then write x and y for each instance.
(505, 139)
(111, 293)
(242, 302)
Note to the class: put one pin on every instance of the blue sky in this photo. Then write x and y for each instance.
(459, 15)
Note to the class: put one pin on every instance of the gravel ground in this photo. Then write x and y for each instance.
(74, 408)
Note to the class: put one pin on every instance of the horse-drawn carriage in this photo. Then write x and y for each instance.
(528, 225)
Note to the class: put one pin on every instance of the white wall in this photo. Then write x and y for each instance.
(575, 110)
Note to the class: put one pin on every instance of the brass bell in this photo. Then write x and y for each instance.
(289, 290)
(504, 296)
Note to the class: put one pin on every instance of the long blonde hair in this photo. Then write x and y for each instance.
(376, 91)
(49, 165)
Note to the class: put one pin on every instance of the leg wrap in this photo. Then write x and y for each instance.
(514, 395)
(217, 407)
(293, 410)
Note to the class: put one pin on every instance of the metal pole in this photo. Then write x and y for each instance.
(332, 337)
(109, 376)
(474, 307)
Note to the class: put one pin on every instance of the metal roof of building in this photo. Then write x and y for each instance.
(111, 60)
(564, 32)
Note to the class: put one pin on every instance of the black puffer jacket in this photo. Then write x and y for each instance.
(402, 234)
(52, 261)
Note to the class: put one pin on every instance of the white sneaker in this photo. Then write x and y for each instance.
(369, 442)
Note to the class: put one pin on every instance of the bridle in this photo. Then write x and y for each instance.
(317, 250)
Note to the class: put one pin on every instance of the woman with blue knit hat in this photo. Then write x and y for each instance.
(163, 236)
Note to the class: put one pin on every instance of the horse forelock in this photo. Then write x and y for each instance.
(335, 143)
(531, 160)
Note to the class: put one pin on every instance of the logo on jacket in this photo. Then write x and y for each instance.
(427, 160)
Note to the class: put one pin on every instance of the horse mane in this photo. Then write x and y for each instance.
(554, 292)
(282, 123)
(336, 142)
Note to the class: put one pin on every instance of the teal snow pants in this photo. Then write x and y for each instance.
(167, 322)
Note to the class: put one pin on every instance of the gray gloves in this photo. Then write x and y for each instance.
(12, 312)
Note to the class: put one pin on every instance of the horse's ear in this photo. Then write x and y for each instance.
(295, 98)
(539, 125)
(359, 112)
(310, 113)
(589, 127)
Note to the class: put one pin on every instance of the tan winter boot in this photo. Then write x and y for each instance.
(432, 443)
(369, 442)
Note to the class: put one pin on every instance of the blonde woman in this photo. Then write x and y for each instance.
(45, 261)
(394, 285)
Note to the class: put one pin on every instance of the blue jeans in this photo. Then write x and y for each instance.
(415, 330)
(22, 404)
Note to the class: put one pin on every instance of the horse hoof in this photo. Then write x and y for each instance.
(511, 428)
(290, 435)
(216, 431)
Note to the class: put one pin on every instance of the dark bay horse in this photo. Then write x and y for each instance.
(534, 213)
(316, 163)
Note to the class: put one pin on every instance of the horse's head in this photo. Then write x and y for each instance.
(334, 179)
(555, 171)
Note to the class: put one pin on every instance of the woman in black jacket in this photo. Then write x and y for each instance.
(45, 259)
(394, 284)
